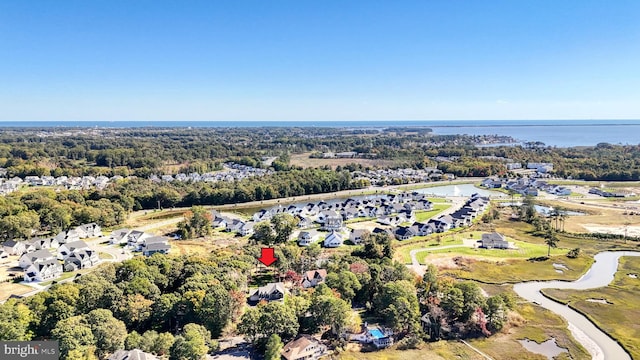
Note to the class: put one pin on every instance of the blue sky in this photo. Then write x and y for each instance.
(319, 60)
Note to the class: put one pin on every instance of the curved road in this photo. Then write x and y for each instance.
(601, 274)
(415, 264)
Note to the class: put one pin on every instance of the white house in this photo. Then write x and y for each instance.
(333, 240)
(67, 236)
(155, 244)
(35, 257)
(356, 235)
(44, 243)
(119, 237)
(135, 239)
(43, 271)
(13, 247)
(269, 292)
(65, 250)
(81, 259)
(305, 238)
(89, 230)
(330, 220)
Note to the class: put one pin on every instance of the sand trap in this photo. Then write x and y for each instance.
(560, 267)
(633, 276)
(600, 301)
(559, 271)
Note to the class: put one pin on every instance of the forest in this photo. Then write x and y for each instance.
(146, 151)
(178, 306)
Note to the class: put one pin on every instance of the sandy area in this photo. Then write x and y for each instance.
(586, 342)
(618, 229)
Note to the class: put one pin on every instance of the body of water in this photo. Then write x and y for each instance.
(601, 274)
(561, 133)
(459, 190)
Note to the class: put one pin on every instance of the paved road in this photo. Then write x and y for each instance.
(415, 264)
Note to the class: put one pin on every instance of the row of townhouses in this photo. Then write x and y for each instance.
(462, 217)
(73, 183)
(526, 186)
(140, 241)
(232, 172)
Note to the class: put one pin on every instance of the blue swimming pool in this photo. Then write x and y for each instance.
(376, 333)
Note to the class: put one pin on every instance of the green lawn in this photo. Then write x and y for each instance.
(495, 271)
(452, 237)
(437, 209)
(620, 318)
(105, 256)
(440, 350)
(524, 251)
(64, 276)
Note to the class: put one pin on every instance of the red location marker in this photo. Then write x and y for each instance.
(267, 257)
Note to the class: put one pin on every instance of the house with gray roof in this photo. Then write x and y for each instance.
(81, 259)
(269, 292)
(35, 257)
(43, 271)
(494, 240)
(135, 354)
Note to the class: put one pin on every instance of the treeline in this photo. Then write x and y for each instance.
(24, 214)
(143, 152)
(165, 305)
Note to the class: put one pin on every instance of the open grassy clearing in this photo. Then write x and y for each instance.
(495, 271)
(442, 350)
(403, 248)
(10, 288)
(428, 214)
(303, 160)
(436, 184)
(524, 251)
(524, 232)
(619, 317)
(105, 256)
(205, 245)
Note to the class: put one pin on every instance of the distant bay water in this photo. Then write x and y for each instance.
(560, 133)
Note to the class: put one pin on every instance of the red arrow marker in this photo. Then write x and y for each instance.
(267, 257)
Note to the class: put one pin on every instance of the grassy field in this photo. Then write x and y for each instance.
(524, 251)
(305, 161)
(516, 270)
(442, 350)
(10, 288)
(620, 317)
(403, 248)
(437, 209)
(105, 256)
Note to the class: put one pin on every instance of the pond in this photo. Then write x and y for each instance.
(548, 348)
(548, 210)
(459, 190)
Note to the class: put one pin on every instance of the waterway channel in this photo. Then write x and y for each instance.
(601, 274)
